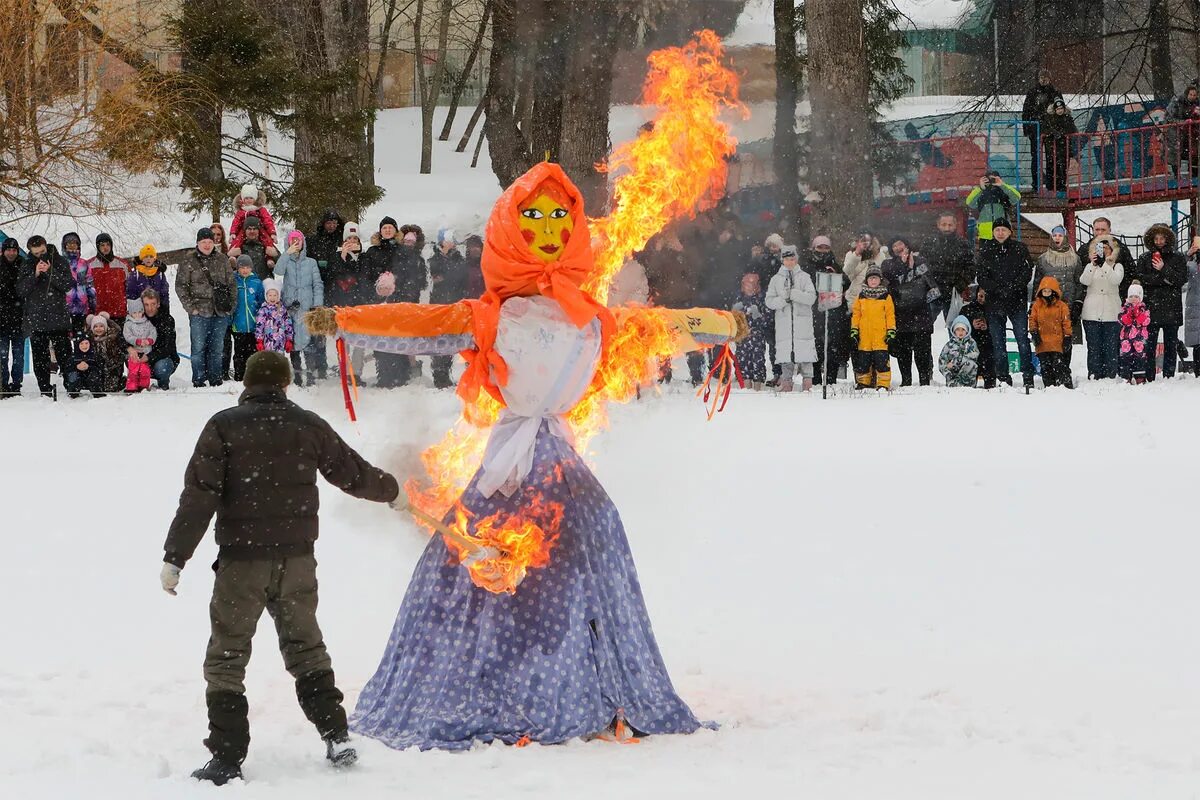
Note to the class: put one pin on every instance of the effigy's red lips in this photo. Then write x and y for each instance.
(549, 248)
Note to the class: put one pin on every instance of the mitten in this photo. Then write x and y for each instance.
(1037, 338)
(854, 334)
(890, 335)
(258, 345)
(287, 346)
(169, 577)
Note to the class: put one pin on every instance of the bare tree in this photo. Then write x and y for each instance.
(464, 77)
(430, 88)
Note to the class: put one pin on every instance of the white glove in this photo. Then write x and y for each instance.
(739, 306)
(169, 578)
(754, 312)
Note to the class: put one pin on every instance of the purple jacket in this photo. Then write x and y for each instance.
(81, 299)
(136, 283)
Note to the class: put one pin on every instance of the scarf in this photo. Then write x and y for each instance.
(149, 271)
(878, 293)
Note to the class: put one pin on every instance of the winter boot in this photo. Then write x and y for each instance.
(218, 772)
(807, 385)
(339, 752)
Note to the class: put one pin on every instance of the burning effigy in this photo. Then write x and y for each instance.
(524, 620)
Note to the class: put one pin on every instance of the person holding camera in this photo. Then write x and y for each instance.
(1103, 276)
(43, 284)
(992, 200)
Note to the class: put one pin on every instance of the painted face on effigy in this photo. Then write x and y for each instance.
(545, 221)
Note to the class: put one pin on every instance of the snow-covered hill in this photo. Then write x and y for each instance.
(937, 594)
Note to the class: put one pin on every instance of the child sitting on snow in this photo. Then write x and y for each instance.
(872, 328)
(1133, 360)
(959, 360)
(1050, 329)
(109, 345)
(975, 312)
(752, 351)
(251, 202)
(140, 335)
(273, 326)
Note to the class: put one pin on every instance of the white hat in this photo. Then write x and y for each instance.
(272, 283)
(350, 231)
(774, 239)
(1136, 290)
(447, 235)
(249, 192)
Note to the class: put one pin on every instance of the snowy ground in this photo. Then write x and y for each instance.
(936, 594)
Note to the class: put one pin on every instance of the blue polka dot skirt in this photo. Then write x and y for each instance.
(561, 658)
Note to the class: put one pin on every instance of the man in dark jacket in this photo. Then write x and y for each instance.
(951, 262)
(1005, 271)
(45, 279)
(1037, 101)
(12, 334)
(325, 242)
(914, 294)
(1182, 139)
(1162, 270)
(163, 357)
(255, 467)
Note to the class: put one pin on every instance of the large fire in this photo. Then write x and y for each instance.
(676, 167)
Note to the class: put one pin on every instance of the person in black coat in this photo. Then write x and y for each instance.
(163, 357)
(402, 259)
(1162, 270)
(822, 261)
(975, 310)
(1058, 128)
(12, 333)
(1037, 101)
(914, 294)
(324, 243)
(452, 282)
(265, 530)
(45, 279)
(951, 262)
(1005, 271)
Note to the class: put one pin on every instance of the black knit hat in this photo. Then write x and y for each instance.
(1001, 223)
(101, 238)
(204, 233)
(268, 368)
(387, 221)
(252, 221)
(11, 244)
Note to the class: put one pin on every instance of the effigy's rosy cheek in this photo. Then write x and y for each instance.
(527, 235)
(564, 235)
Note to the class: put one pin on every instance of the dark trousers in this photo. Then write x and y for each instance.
(392, 370)
(441, 371)
(1000, 314)
(1196, 361)
(227, 352)
(91, 379)
(838, 335)
(775, 368)
(314, 361)
(1035, 165)
(1103, 341)
(287, 589)
(1056, 370)
(987, 363)
(909, 347)
(1170, 335)
(39, 347)
(872, 369)
(244, 346)
(1057, 157)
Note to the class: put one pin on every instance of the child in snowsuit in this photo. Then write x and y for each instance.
(109, 346)
(975, 312)
(140, 334)
(1134, 360)
(245, 314)
(251, 202)
(81, 297)
(273, 327)
(872, 328)
(87, 368)
(791, 295)
(752, 351)
(1050, 329)
(959, 359)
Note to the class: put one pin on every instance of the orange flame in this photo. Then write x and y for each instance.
(675, 167)
(523, 542)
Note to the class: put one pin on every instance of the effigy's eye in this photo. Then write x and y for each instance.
(558, 213)
(531, 213)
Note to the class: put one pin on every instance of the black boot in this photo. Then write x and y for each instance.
(339, 752)
(218, 772)
(228, 728)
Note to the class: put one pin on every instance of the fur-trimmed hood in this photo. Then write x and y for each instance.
(1113, 241)
(1155, 229)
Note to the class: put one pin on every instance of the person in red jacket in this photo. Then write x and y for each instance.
(109, 274)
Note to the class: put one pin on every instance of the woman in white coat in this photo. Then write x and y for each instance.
(791, 296)
(1102, 305)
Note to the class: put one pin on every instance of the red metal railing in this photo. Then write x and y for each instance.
(1144, 162)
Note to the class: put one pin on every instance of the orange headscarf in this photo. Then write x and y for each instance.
(510, 269)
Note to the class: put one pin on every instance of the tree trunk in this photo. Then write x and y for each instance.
(1161, 79)
(200, 147)
(431, 89)
(557, 32)
(787, 89)
(586, 99)
(510, 155)
(471, 123)
(839, 165)
(461, 84)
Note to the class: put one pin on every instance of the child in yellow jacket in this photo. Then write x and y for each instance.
(872, 328)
